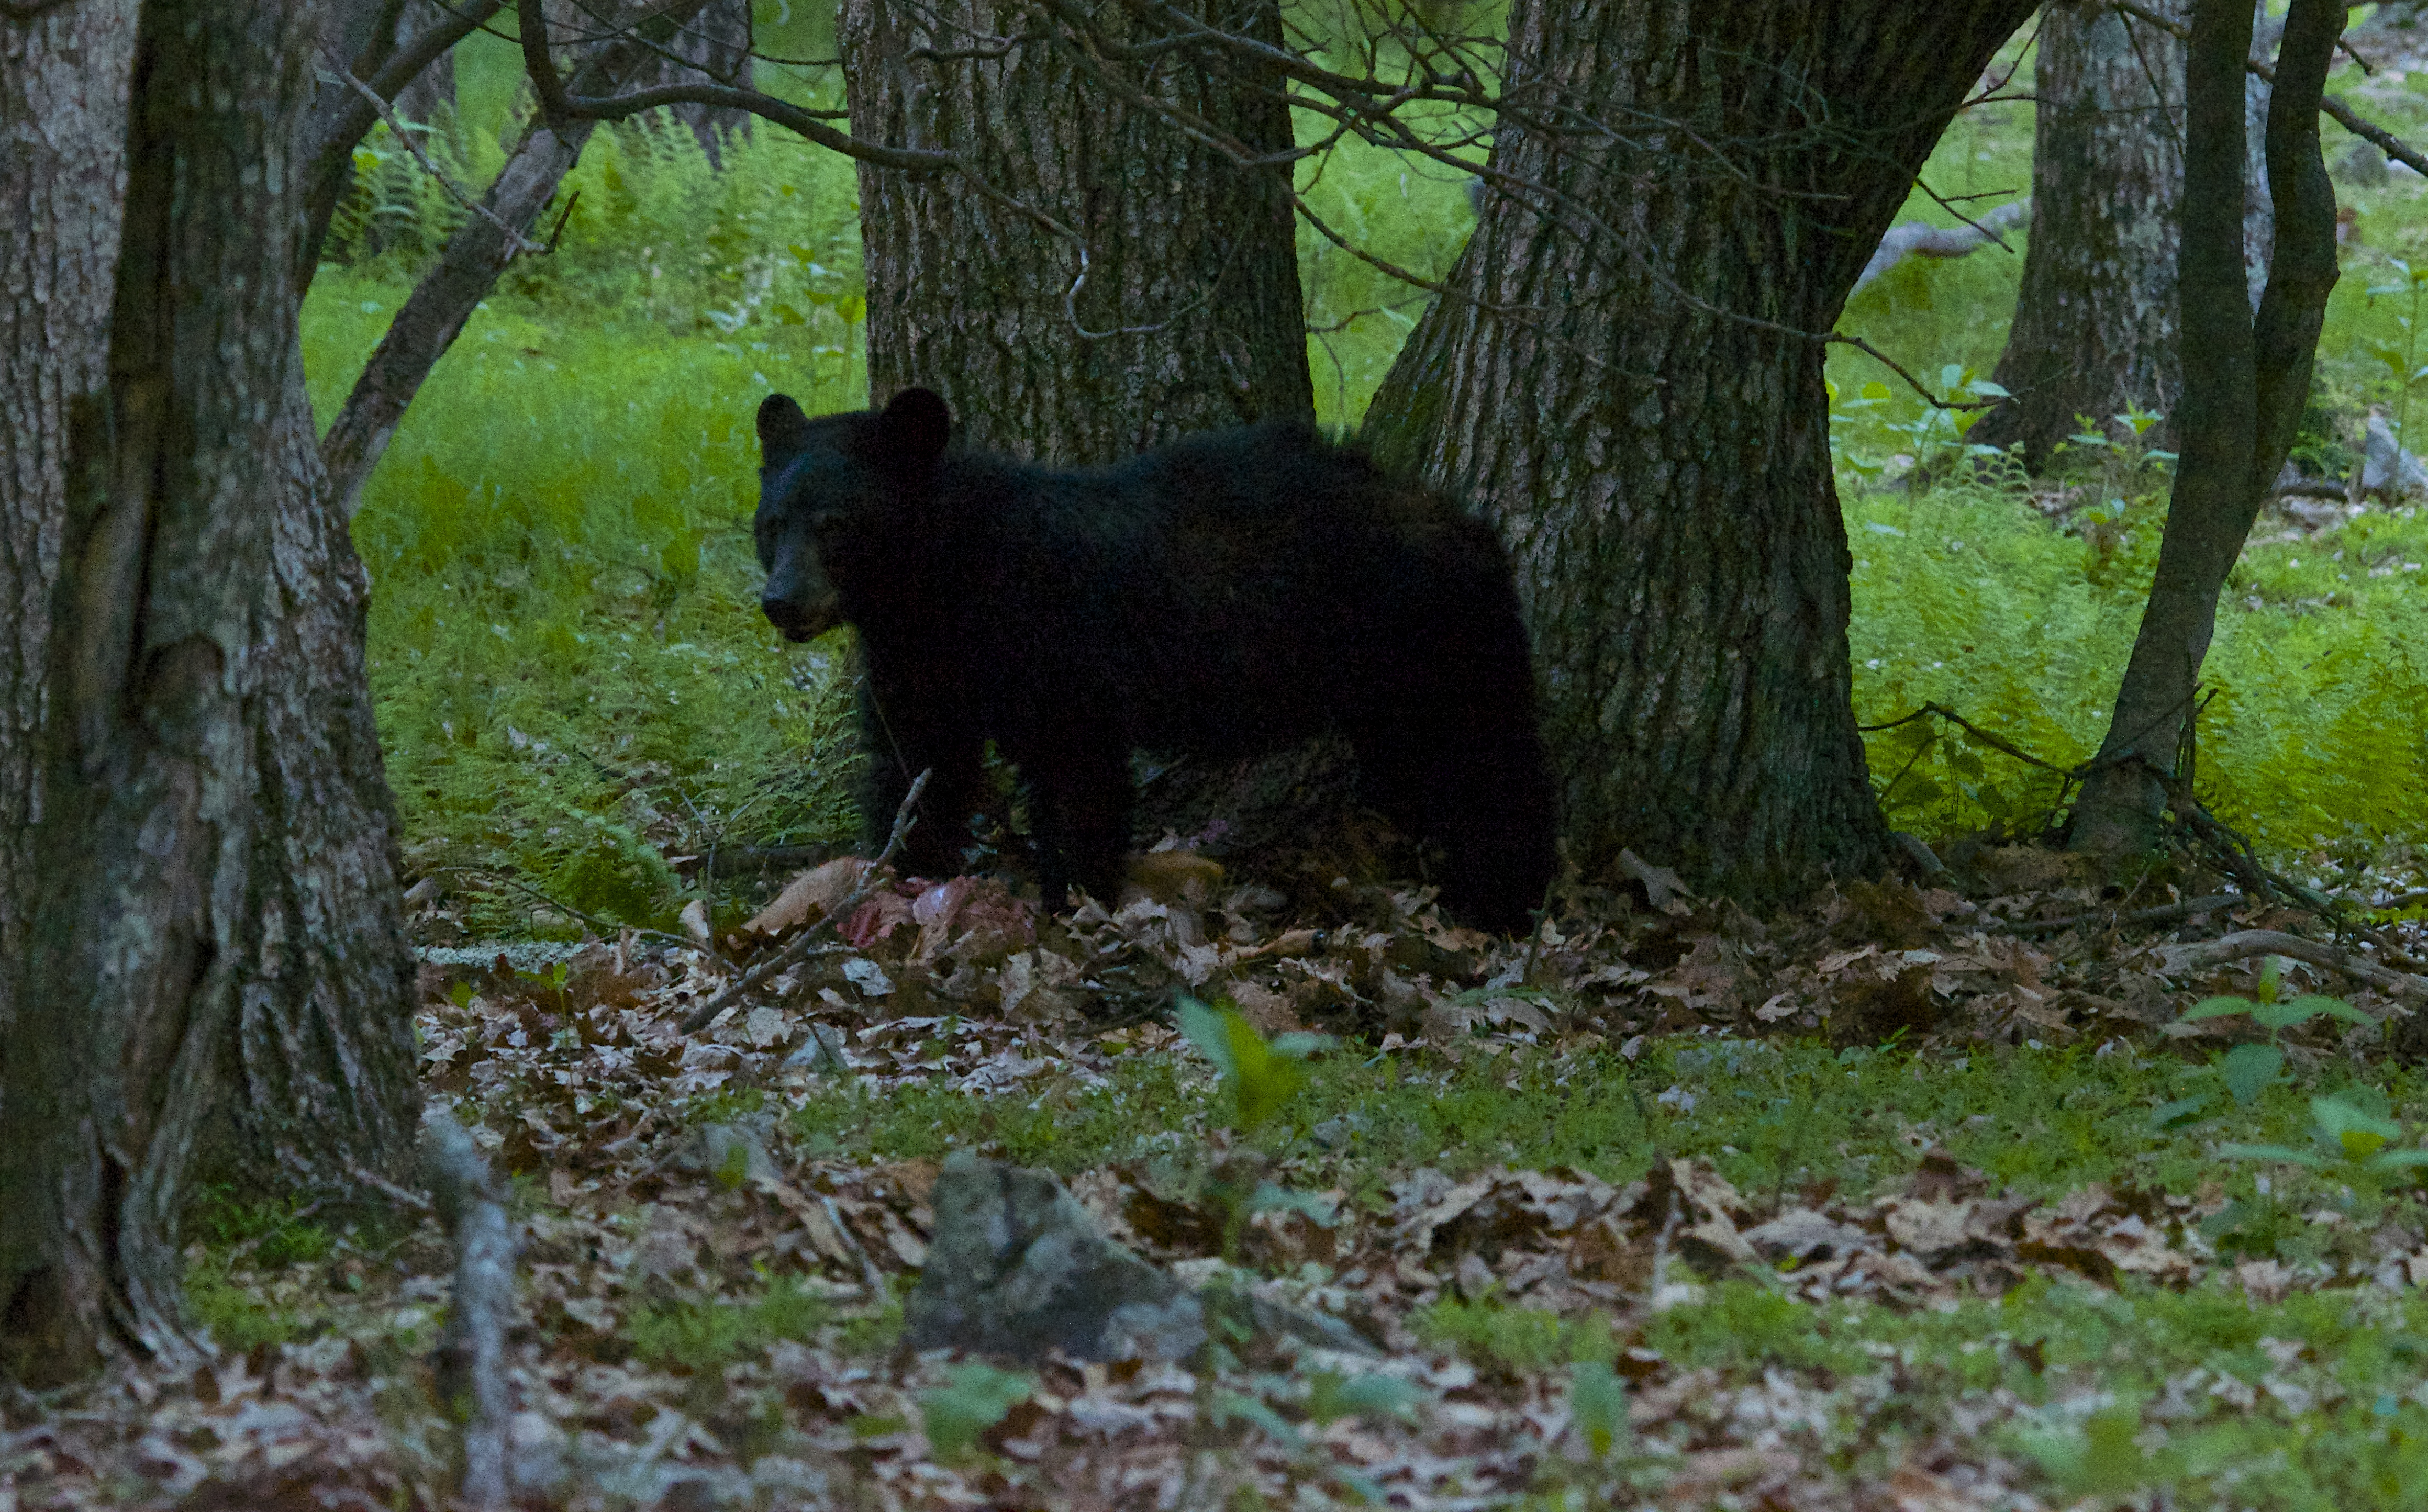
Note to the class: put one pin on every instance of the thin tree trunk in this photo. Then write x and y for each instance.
(467, 271)
(1188, 316)
(218, 970)
(365, 35)
(1650, 443)
(2245, 385)
(2094, 332)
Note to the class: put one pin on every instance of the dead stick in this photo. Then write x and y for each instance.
(470, 1359)
(2141, 916)
(2243, 944)
(806, 944)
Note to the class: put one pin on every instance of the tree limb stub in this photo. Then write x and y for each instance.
(471, 1358)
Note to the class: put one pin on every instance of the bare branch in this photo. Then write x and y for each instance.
(558, 105)
(808, 943)
(2334, 109)
(516, 242)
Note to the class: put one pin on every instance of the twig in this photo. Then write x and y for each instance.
(471, 1358)
(515, 241)
(403, 1196)
(806, 943)
(2141, 916)
(2243, 944)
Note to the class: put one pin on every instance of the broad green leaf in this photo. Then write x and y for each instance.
(2167, 1115)
(1332, 1396)
(2248, 1069)
(971, 1400)
(2273, 1152)
(2358, 1133)
(2398, 1159)
(1205, 1031)
(1239, 1406)
(1597, 1404)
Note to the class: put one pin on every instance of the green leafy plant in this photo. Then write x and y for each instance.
(2248, 1070)
(974, 1398)
(2402, 358)
(1260, 1075)
(2349, 1139)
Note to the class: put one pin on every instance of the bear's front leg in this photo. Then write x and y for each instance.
(1080, 799)
(899, 746)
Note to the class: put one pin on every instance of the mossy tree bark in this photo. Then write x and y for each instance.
(1189, 317)
(2094, 332)
(1624, 382)
(215, 970)
(2245, 380)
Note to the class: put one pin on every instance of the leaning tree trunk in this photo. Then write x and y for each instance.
(468, 267)
(1625, 378)
(1173, 303)
(2096, 327)
(218, 972)
(2245, 385)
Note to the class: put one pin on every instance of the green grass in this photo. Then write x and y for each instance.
(1771, 1117)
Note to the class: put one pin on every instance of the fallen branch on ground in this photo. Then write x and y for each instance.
(806, 944)
(470, 1359)
(2244, 943)
(2141, 916)
(1919, 238)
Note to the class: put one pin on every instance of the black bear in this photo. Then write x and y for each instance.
(1225, 596)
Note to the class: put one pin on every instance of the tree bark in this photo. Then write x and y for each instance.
(63, 92)
(2245, 385)
(218, 972)
(715, 45)
(1176, 308)
(1625, 381)
(2095, 323)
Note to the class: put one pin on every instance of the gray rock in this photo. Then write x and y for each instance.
(1017, 1267)
(2391, 468)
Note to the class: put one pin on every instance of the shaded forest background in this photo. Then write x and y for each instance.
(580, 704)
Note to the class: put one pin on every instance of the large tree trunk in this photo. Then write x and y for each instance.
(1624, 382)
(2245, 385)
(63, 89)
(2096, 325)
(218, 972)
(1189, 315)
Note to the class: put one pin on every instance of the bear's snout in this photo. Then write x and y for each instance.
(796, 621)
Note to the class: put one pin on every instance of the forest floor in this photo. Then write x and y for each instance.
(1917, 1197)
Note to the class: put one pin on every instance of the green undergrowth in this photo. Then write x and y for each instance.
(2204, 1397)
(1773, 1117)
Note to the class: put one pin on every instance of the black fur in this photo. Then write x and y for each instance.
(1223, 596)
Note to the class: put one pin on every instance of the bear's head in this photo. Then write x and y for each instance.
(831, 525)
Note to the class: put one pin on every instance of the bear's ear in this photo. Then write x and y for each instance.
(781, 425)
(916, 425)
